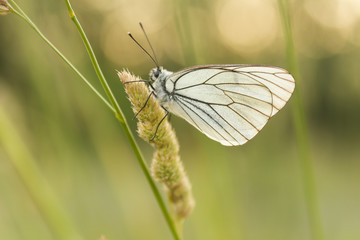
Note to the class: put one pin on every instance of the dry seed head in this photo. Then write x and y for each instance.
(166, 166)
(150, 115)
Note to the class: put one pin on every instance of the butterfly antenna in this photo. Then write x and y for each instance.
(142, 28)
(131, 36)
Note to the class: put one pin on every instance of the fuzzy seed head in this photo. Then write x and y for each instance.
(166, 166)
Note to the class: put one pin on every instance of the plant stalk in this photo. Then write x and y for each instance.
(114, 107)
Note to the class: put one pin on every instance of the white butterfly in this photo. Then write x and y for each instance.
(228, 103)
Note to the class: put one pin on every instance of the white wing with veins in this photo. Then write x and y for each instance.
(229, 103)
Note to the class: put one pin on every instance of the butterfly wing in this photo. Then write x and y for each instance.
(230, 103)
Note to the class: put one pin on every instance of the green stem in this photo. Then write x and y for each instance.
(95, 64)
(123, 122)
(43, 196)
(113, 106)
(301, 130)
(22, 14)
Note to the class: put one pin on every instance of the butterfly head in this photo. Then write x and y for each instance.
(155, 73)
(159, 74)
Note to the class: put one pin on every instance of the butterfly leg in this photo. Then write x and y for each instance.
(141, 80)
(137, 81)
(147, 100)
(157, 128)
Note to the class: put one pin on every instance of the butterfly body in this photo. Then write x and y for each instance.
(228, 103)
(161, 85)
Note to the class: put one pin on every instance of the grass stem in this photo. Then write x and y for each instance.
(18, 11)
(113, 105)
(120, 116)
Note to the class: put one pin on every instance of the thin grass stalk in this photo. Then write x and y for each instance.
(113, 106)
(120, 116)
(306, 162)
(19, 12)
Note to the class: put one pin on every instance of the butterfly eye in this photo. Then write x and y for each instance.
(156, 73)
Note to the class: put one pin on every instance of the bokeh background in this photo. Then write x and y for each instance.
(249, 192)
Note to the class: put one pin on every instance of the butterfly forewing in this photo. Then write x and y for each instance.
(230, 103)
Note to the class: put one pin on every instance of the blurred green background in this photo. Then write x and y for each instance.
(249, 192)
